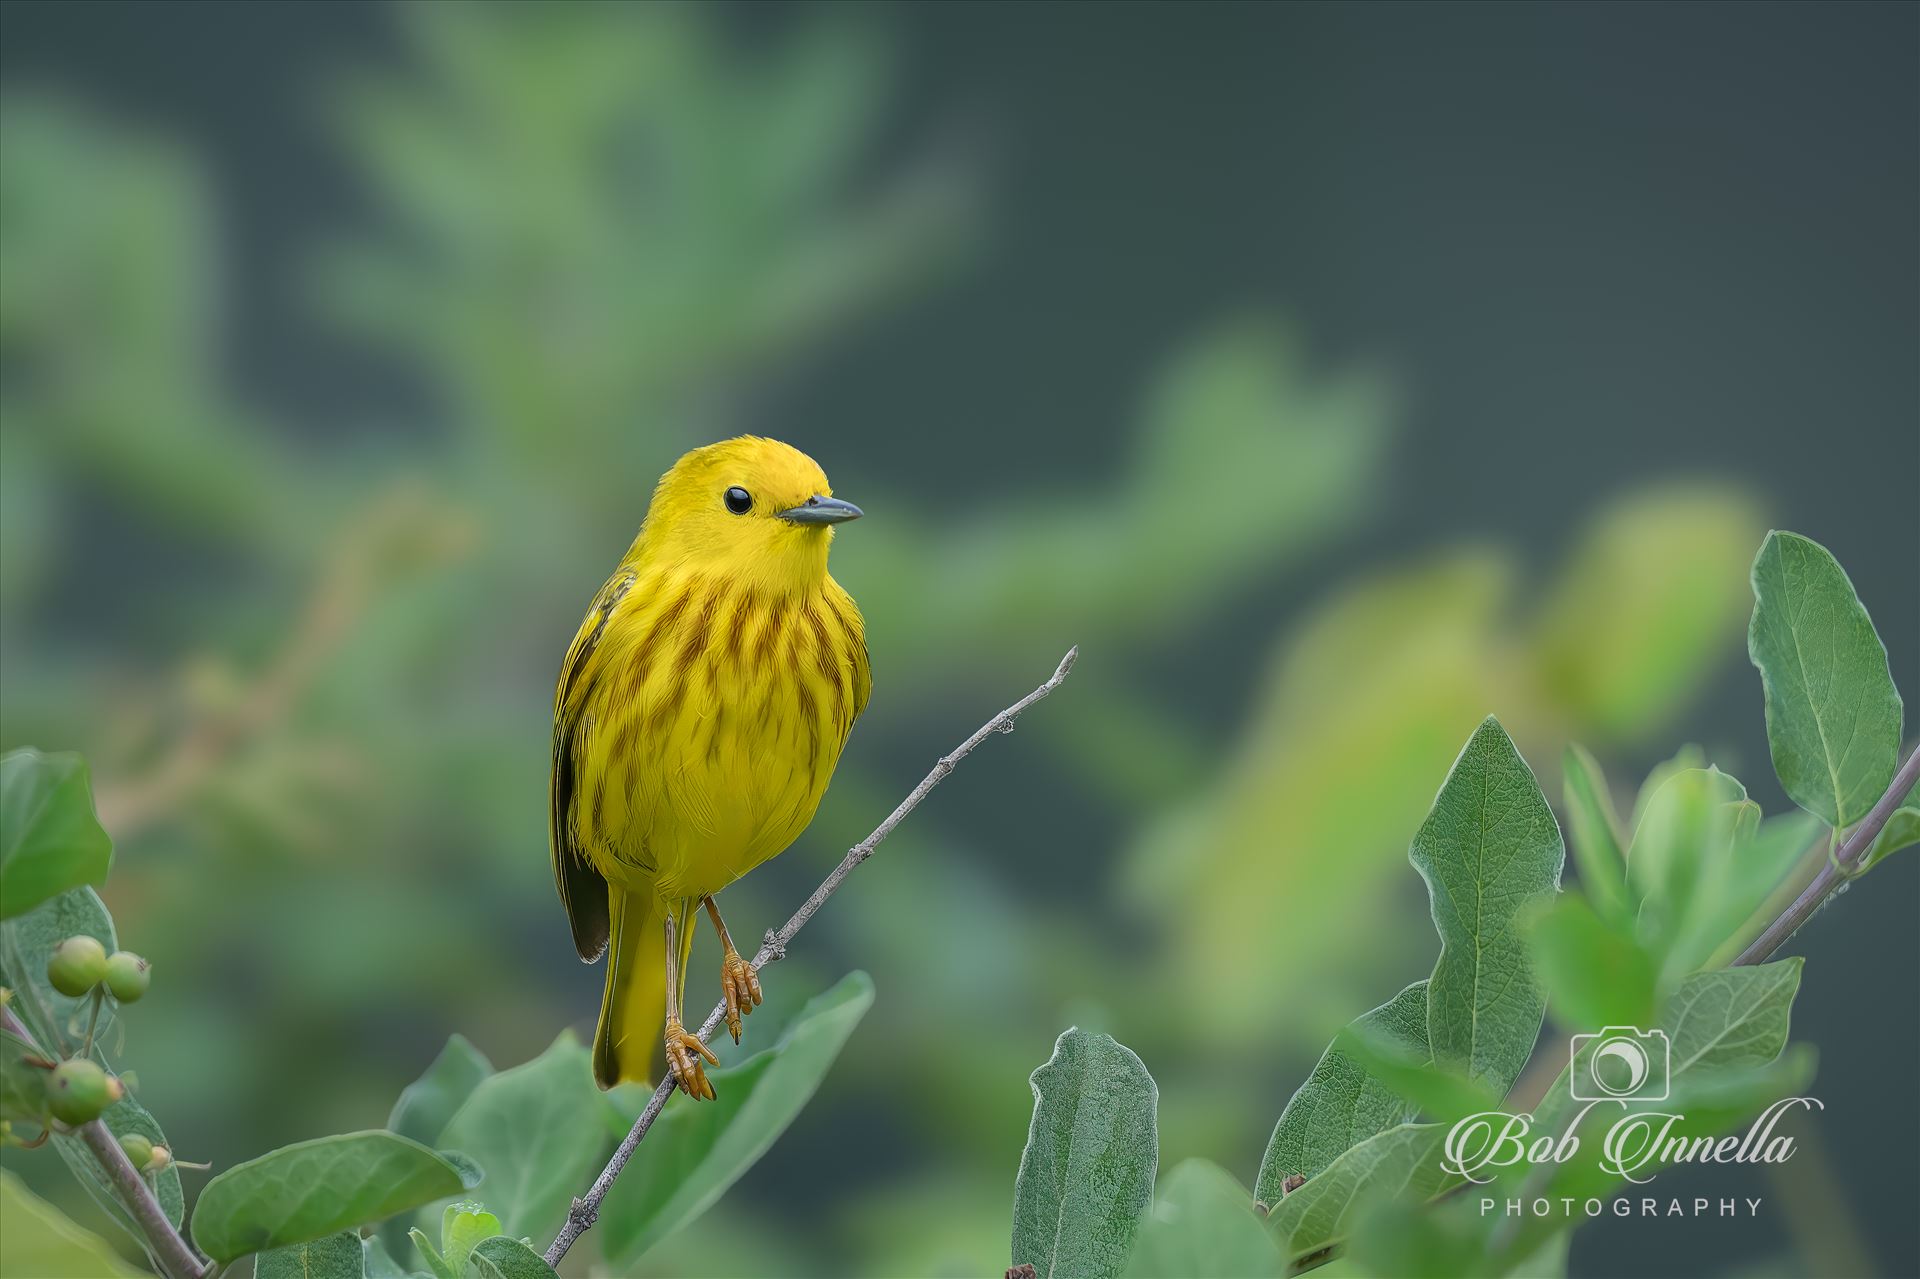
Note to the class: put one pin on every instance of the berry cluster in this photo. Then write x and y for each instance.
(79, 1088)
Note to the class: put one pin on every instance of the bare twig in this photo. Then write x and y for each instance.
(586, 1208)
(1838, 870)
(174, 1255)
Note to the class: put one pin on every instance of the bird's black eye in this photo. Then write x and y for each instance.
(739, 501)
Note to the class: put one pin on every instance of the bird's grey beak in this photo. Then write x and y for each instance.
(821, 510)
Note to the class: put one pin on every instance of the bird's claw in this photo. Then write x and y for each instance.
(740, 983)
(684, 1053)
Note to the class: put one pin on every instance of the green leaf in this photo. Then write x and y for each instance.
(57, 1025)
(1901, 831)
(1729, 1019)
(1416, 1241)
(1595, 975)
(1489, 847)
(429, 1102)
(1436, 1091)
(50, 840)
(380, 1263)
(1086, 1176)
(336, 1256)
(540, 1132)
(1202, 1223)
(1340, 1103)
(1659, 775)
(23, 1088)
(426, 1105)
(1726, 1030)
(1706, 1103)
(40, 1241)
(123, 1118)
(462, 1226)
(435, 1262)
(1597, 842)
(1728, 911)
(695, 1152)
(315, 1188)
(1833, 714)
(1685, 825)
(1702, 863)
(1399, 1161)
(56, 1022)
(1732, 1017)
(502, 1257)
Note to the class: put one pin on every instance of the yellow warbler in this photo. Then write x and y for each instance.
(701, 709)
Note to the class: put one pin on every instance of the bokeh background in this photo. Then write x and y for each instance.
(1333, 376)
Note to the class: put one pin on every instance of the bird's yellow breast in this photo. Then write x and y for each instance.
(709, 714)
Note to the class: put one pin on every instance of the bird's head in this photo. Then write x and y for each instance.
(747, 508)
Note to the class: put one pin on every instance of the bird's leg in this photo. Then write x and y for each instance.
(684, 1049)
(739, 980)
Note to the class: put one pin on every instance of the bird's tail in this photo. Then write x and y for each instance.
(627, 1040)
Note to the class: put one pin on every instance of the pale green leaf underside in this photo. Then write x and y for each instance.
(381, 1263)
(1087, 1173)
(1726, 1019)
(1728, 1032)
(1833, 714)
(1489, 846)
(1400, 1161)
(1341, 1103)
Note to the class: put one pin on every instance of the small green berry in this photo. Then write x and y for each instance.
(78, 965)
(139, 1150)
(78, 1090)
(127, 976)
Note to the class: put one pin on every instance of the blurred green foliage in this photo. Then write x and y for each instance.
(313, 667)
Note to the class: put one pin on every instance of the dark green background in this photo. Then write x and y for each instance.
(1592, 244)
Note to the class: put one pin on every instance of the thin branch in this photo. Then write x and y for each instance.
(172, 1251)
(1839, 869)
(175, 1256)
(586, 1208)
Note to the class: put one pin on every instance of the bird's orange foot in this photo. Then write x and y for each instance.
(684, 1051)
(740, 982)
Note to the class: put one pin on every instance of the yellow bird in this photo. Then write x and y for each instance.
(701, 710)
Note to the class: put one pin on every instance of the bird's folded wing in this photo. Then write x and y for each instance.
(582, 889)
